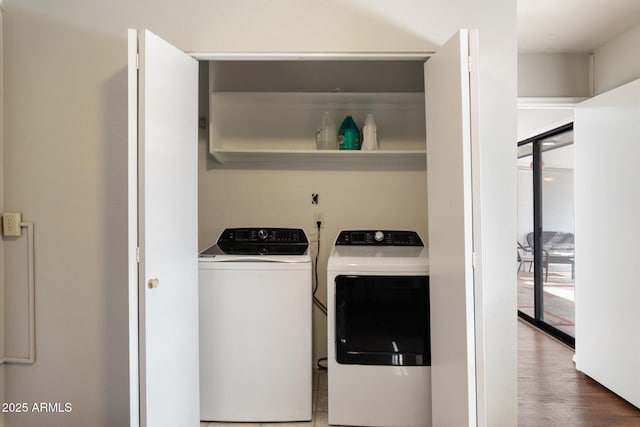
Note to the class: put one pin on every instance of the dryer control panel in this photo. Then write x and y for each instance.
(379, 238)
(263, 235)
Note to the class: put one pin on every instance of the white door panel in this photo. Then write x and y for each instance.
(449, 160)
(167, 234)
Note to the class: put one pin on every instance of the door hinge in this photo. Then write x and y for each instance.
(138, 255)
(137, 61)
(469, 63)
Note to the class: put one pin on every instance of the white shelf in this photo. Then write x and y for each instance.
(320, 100)
(313, 56)
(375, 159)
(277, 126)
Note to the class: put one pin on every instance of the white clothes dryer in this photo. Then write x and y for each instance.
(379, 351)
(255, 327)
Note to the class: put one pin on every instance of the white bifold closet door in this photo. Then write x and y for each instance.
(163, 126)
(453, 208)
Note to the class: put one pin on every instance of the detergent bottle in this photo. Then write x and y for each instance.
(369, 134)
(327, 134)
(349, 135)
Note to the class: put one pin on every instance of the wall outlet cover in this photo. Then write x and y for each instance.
(11, 224)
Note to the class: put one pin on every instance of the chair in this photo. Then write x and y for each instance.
(525, 255)
(557, 248)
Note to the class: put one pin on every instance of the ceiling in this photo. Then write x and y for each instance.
(572, 26)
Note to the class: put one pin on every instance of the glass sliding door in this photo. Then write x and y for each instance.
(546, 232)
(558, 233)
(526, 265)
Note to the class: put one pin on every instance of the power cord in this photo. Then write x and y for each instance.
(316, 301)
(315, 287)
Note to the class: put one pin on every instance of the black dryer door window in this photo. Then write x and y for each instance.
(383, 320)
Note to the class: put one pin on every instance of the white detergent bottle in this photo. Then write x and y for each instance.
(369, 134)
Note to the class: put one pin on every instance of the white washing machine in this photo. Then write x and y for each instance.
(255, 326)
(379, 347)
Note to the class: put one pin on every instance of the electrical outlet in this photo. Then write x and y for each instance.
(11, 223)
(318, 216)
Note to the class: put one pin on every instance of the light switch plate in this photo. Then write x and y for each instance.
(11, 224)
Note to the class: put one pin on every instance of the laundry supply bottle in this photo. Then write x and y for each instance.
(369, 134)
(349, 135)
(327, 134)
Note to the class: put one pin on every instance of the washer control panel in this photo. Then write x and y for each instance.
(379, 238)
(263, 235)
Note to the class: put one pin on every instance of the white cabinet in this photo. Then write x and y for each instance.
(268, 109)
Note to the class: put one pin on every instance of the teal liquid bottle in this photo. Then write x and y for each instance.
(349, 135)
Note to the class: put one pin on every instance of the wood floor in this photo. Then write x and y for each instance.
(552, 393)
(559, 306)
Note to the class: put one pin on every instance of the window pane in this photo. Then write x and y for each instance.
(525, 228)
(558, 232)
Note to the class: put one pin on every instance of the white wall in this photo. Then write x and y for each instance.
(607, 294)
(498, 70)
(65, 147)
(617, 62)
(534, 121)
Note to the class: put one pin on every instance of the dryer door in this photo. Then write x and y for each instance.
(383, 320)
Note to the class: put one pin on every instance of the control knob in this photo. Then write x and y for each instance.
(378, 236)
(263, 234)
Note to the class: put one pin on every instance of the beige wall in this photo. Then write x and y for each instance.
(568, 75)
(65, 164)
(2, 270)
(357, 199)
(617, 62)
(553, 75)
(544, 75)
